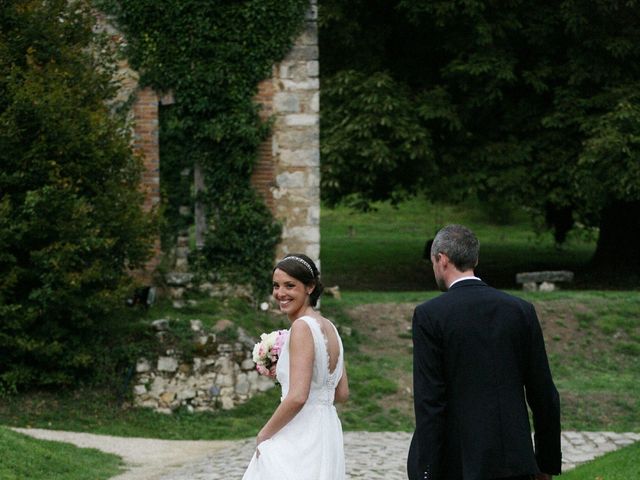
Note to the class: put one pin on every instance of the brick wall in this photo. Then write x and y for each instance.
(146, 143)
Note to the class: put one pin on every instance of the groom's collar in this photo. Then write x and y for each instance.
(462, 279)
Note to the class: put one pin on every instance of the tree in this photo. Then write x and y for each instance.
(527, 102)
(71, 224)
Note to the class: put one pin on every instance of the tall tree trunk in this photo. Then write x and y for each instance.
(619, 241)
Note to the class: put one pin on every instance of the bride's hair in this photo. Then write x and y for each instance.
(302, 268)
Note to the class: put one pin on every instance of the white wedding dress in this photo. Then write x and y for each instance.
(310, 446)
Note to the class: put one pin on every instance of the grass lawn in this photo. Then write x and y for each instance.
(619, 465)
(383, 250)
(26, 458)
(592, 337)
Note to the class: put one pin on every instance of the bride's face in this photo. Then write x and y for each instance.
(291, 294)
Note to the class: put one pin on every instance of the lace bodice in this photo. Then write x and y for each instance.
(323, 381)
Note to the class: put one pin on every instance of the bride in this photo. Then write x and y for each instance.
(303, 438)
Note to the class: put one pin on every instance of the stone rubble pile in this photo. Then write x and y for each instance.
(221, 375)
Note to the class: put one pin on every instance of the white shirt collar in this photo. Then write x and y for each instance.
(470, 277)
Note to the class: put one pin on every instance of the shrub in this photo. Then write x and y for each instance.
(71, 223)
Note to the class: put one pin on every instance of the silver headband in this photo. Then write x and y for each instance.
(300, 260)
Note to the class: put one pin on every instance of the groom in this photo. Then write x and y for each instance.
(478, 353)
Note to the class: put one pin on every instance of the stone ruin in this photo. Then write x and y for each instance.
(220, 375)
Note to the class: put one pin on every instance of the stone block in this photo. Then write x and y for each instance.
(291, 180)
(140, 390)
(225, 380)
(181, 264)
(333, 292)
(178, 278)
(545, 276)
(299, 85)
(304, 234)
(301, 119)
(227, 403)
(547, 287)
(296, 71)
(300, 157)
(309, 35)
(312, 12)
(143, 365)
(313, 180)
(264, 383)
(167, 397)
(314, 105)
(303, 52)
(186, 394)
(313, 215)
(176, 293)
(248, 364)
(242, 384)
(530, 286)
(300, 138)
(160, 325)
(312, 250)
(286, 102)
(158, 386)
(313, 68)
(167, 364)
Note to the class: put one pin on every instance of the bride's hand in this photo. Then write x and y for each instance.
(259, 439)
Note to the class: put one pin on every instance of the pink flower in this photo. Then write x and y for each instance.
(268, 350)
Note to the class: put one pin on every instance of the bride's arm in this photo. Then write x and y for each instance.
(301, 353)
(342, 389)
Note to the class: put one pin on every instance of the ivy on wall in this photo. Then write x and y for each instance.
(212, 56)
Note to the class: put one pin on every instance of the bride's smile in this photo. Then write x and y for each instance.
(291, 294)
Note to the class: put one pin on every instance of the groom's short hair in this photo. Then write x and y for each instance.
(460, 244)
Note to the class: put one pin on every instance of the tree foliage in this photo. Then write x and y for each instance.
(71, 224)
(529, 102)
(374, 129)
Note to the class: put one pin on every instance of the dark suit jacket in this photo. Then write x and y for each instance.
(477, 353)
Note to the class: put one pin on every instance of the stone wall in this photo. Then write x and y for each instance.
(288, 172)
(220, 375)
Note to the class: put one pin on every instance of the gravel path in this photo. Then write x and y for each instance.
(374, 456)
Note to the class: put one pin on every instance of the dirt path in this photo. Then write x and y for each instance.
(145, 458)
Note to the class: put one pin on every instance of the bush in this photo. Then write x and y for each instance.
(71, 223)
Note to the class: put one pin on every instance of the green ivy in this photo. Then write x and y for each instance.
(212, 56)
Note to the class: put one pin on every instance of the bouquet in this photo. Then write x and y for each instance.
(267, 351)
